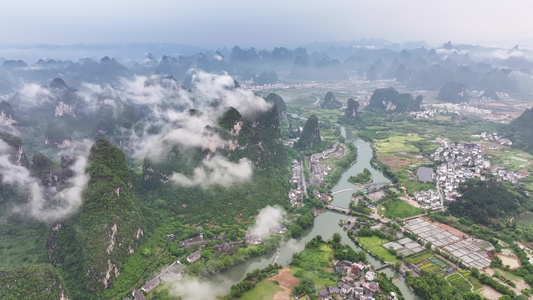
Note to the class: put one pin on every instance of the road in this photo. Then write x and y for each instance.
(440, 195)
(304, 184)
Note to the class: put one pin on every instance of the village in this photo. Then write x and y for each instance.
(460, 162)
(357, 282)
(317, 171)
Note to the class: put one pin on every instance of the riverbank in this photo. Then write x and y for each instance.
(325, 225)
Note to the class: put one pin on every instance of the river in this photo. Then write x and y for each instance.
(325, 225)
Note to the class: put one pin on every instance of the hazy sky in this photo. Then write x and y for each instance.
(265, 23)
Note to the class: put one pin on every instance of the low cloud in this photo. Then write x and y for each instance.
(216, 170)
(32, 95)
(211, 95)
(46, 204)
(268, 219)
(195, 289)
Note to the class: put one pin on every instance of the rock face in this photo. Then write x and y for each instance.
(351, 109)
(389, 99)
(16, 153)
(453, 92)
(310, 134)
(280, 104)
(7, 114)
(330, 101)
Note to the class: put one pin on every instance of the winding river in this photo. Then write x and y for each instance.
(325, 225)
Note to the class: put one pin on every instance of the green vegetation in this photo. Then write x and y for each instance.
(265, 289)
(520, 131)
(361, 178)
(417, 186)
(310, 264)
(524, 220)
(485, 279)
(310, 135)
(396, 208)
(37, 282)
(370, 241)
(338, 166)
(22, 242)
(398, 144)
(382, 253)
(482, 201)
(252, 279)
(434, 287)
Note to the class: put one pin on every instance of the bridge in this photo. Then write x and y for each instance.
(368, 185)
(345, 190)
(337, 208)
(383, 266)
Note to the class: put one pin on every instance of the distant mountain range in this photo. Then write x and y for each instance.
(414, 64)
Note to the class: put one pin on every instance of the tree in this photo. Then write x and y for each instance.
(296, 230)
(337, 238)
(428, 245)
(397, 265)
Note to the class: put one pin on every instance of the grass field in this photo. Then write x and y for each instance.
(524, 220)
(382, 254)
(459, 282)
(399, 209)
(417, 186)
(510, 158)
(310, 265)
(430, 267)
(265, 289)
(399, 143)
(415, 260)
(370, 241)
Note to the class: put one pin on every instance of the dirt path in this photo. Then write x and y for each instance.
(490, 293)
(520, 283)
(286, 282)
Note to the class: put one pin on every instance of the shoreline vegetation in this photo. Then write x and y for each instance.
(361, 178)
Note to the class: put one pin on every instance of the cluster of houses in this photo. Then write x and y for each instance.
(429, 198)
(494, 137)
(459, 162)
(461, 109)
(507, 175)
(318, 169)
(427, 113)
(358, 282)
(297, 179)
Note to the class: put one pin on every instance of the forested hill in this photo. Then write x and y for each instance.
(33, 282)
(253, 141)
(483, 201)
(92, 247)
(520, 131)
(310, 134)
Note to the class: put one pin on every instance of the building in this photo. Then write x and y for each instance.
(151, 284)
(253, 240)
(194, 256)
(197, 240)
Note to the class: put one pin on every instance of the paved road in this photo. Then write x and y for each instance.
(304, 184)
